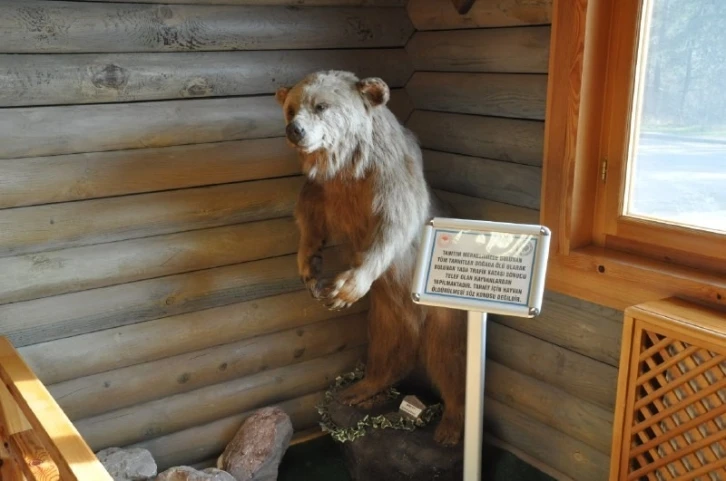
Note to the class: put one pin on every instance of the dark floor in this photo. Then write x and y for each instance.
(320, 460)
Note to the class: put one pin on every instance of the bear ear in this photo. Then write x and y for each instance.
(281, 94)
(375, 90)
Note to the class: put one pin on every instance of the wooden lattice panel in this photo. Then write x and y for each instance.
(670, 415)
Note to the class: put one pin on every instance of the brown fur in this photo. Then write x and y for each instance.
(353, 199)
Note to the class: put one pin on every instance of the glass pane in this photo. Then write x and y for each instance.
(677, 170)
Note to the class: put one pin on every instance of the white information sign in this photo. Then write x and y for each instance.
(482, 266)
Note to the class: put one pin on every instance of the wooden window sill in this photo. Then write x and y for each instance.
(618, 280)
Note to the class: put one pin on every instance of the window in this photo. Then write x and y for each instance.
(635, 150)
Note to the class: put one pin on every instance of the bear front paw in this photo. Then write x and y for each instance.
(348, 288)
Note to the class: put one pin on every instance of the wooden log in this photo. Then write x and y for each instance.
(182, 411)
(120, 388)
(94, 78)
(564, 453)
(475, 208)
(72, 27)
(574, 373)
(551, 406)
(203, 442)
(82, 312)
(78, 356)
(62, 178)
(499, 95)
(519, 141)
(506, 182)
(287, 3)
(440, 15)
(514, 50)
(532, 461)
(41, 131)
(76, 269)
(589, 329)
(29, 230)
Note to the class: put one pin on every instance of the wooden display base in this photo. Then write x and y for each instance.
(395, 455)
(37, 440)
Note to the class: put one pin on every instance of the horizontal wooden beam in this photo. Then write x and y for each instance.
(286, 3)
(518, 141)
(555, 448)
(29, 230)
(579, 375)
(514, 184)
(513, 50)
(589, 329)
(41, 131)
(48, 79)
(121, 388)
(62, 178)
(203, 442)
(52, 273)
(73, 27)
(82, 312)
(552, 406)
(477, 208)
(165, 416)
(440, 15)
(498, 95)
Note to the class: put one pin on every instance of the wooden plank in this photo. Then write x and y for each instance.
(94, 78)
(440, 15)
(12, 419)
(551, 406)
(41, 131)
(120, 388)
(62, 178)
(581, 376)
(9, 467)
(76, 269)
(518, 141)
(589, 329)
(527, 458)
(81, 355)
(35, 459)
(29, 230)
(182, 411)
(38, 131)
(289, 3)
(72, 27)
(82, 312)
(67, 448)
(475, 208)
(564, 453)
(495, 94)
(198, 443)
(514, 50)
(500, 181)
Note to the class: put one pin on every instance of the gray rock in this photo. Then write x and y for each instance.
(255, 452)
(187, 473)
(133, 464)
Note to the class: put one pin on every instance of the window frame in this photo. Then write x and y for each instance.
(595, 254)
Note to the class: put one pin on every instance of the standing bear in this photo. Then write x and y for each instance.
(365, 187)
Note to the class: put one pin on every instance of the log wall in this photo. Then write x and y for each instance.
(147, 248)
(479, 92)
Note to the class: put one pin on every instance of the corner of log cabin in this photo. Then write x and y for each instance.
(146, 192)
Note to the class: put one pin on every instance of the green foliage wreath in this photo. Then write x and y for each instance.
(392, 420)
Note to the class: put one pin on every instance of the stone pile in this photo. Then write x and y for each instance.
(253, 454)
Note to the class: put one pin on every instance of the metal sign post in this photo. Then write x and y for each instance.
(482, 267)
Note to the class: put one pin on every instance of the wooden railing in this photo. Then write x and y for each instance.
(38, 441)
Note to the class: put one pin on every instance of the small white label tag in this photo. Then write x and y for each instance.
(412, 407)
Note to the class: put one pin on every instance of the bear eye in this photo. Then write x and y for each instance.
(320, 108)
(290, 112)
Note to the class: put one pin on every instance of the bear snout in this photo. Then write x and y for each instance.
(294, 132)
